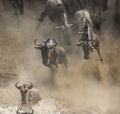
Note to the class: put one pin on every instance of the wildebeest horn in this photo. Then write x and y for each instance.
(25, 112)
(81, 33)
(55, 42)
(35, 42)
(32, 111)
(80, 43)
(16, 85)
(18, 111)
(31, 85)
(60, 27)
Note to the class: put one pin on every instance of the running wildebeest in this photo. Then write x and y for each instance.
(18, 6)
(19, 111)
(89, 39)
(52, 56)
(55, 10)
(28, 94)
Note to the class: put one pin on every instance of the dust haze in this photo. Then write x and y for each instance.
(85, 84)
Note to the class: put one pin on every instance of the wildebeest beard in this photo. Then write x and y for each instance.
(44, 51)
(86, 50)
(48, 56)
(23, 96)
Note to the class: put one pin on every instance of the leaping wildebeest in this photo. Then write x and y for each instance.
(89, 39)
(20, 111)
(28, 94)
(55, 10)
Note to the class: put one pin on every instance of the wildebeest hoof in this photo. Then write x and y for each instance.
(86, 58)
(78, 44)
(39, 19)
(101, 60)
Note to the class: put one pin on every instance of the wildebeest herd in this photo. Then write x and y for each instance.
(84, 15)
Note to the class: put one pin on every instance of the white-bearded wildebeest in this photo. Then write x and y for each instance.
(52, 57)
(20, 111)
(28, 94)
(92, 41)
(55, 10)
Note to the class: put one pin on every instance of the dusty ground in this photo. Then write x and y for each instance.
(87, 85)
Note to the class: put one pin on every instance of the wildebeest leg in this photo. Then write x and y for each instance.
(30, 3)
(52, 76)
(41, 18)
(15, 7)
(4, 4)
(66, 30)
(21, 6)
(86, 52)
(43, 14)
(66, 33)
(98, 51)
(65, 62)
(104, 5)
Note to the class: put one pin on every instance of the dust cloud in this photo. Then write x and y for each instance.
(86, 84)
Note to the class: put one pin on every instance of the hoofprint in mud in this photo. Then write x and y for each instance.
(52, 106)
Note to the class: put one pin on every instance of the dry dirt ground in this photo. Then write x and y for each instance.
(85, 85)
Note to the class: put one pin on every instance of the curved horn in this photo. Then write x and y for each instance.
(80, 43)
(55, 42)
(35, 42)
(16, 85)
(18, 111)
(32, 111)
(31, 85)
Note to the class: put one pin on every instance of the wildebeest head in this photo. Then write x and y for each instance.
(86, 48)
(19, 111)
(24, 89)
(44, 51)
(24, 86)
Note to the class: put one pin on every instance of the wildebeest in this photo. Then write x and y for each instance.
(52, 56)
(18, 6)
(55, 10)
(19, 111)
(28, 94)
(89, 40)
